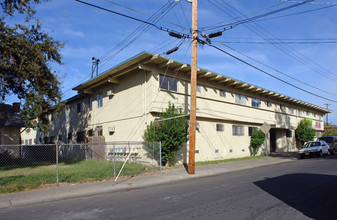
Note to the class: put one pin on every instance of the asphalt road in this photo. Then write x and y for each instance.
(303, 189)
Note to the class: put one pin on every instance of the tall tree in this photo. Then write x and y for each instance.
(26, 53)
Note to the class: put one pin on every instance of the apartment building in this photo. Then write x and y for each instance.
(118, 104)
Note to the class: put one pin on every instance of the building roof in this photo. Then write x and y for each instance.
(138, 62)
(10, 118)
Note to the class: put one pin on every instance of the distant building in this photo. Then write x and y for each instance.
(11, 123)
(119, 103)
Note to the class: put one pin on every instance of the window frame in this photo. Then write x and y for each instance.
(168, 83)
(220, 127)
(99, 100)
(222, 93)
(238, 130)
(256, 102)
(240, 99)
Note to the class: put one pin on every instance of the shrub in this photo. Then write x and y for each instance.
(256, 140)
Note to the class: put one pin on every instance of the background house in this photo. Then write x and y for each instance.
(118, 104)
(11, 123)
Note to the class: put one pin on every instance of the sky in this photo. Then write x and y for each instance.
(290, 40)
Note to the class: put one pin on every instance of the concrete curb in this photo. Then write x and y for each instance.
(137, 182)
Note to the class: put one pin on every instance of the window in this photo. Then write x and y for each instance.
(291, 110)
(198, 88)
(70, 136)
(80, 137)
(289, 133)
(240, 99)
(99, 100)
(197, 126)
(99, 131)
(256, 102)
(250, 130)
(78, 107)
(220, 127)
(268, 103)
(223, 93)
(169, 83)
(90, 133)
(30, 141)
(282, 107)
(315, 115)
(90, 103)
(60, 137)
(299, 112)
(238, 130)
(307, 113)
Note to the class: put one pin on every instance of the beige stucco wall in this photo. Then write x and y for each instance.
(137, 99)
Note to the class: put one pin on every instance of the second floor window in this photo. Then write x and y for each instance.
(99, 131)
(90, 103)
(198, 88)
(223, 93)
(99, 100)
(256, 102)
(169, 83)
(240, 99)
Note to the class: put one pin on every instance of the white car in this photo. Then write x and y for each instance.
(314, 148)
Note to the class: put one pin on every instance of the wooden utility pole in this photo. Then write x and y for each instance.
(191, 162)
(327, 107)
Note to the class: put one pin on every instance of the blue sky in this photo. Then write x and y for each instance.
(90, 32)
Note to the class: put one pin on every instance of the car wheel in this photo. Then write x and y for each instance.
(301, 156)
(320, 154)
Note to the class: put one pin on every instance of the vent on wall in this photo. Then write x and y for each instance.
(110, 93)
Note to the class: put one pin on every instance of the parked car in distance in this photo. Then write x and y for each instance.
(314, 148)
(331, 141)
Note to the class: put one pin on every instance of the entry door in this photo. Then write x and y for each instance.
(272, 133)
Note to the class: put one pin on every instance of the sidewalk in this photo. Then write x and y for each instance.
(170, 175)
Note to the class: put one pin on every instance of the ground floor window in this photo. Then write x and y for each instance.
(238, 130)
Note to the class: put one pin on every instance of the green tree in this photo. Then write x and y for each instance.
(172, 133)
(329, 130)
(256, 140)
(26, 53)
(304, 132)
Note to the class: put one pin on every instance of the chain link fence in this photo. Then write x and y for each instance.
(55, 163)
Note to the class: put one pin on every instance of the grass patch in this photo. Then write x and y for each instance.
(16, 179)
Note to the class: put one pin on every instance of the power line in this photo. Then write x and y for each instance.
(269, 74)
(249, 19)
(297, 13)
(310, 85)
(288, 50)
(127, 16)
(279, 42)
(204, 28)
(318, 3)
(151, 16)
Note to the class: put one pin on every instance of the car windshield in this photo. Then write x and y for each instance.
(327, 139)
(313, 144)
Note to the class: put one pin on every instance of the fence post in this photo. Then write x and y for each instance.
(160, 156)
(114, 153)
(57, 164)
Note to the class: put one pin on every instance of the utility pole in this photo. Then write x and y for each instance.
(327, 118)
(193, 103)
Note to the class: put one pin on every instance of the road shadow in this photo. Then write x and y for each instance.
(314, 195)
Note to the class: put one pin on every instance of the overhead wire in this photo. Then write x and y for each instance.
(271, 75)
(296, 13)
(286, 49)
(142, 13)
(287, 75)
(249, 19)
